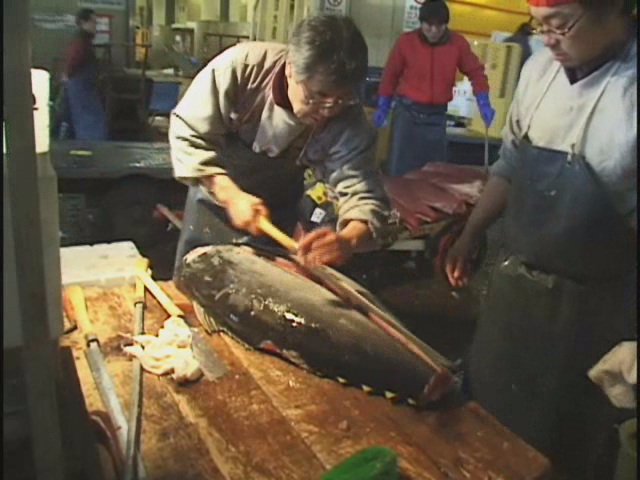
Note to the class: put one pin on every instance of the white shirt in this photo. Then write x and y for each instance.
(610, 139)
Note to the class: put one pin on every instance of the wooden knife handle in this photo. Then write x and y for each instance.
(164, 300)
(142, 264)
(278, 235)
(77, 302)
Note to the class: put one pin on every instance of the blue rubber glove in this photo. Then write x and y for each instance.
(486, 110)
(381, 114)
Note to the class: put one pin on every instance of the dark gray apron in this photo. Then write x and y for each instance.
(564, 297)
(279, 182)
(418, 136)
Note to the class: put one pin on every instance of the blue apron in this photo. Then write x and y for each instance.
(564, 297)
(87, 116)
(418, 136)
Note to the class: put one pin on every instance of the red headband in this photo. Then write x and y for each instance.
(549, 3)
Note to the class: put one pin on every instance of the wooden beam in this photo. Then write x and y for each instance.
(22, 171)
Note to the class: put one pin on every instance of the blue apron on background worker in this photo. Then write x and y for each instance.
(85, 113)
(255, 117)
(421, 70)
(566, 293)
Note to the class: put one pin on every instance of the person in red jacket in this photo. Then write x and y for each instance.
(421, 71)
(85, 111)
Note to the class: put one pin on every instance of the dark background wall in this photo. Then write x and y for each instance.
(49, 44)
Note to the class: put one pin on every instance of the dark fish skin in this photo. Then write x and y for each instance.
(270, 308)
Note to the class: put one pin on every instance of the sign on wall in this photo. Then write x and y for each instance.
(113, 4)
(335, 7)
(54, 21)
(411, 10)
(103, 29)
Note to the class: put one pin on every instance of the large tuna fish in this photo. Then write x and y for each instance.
(269, 307)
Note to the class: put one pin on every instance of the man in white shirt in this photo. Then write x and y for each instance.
(566, 182)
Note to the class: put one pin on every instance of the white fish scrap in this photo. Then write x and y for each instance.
(168, 353)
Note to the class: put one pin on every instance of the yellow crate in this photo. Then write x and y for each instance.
(502, 65)
(143, 37)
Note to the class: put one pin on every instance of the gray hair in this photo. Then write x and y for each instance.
(330, 48)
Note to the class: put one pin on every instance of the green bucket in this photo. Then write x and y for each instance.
(373, 463)
(627, 467)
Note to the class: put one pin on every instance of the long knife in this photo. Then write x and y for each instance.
(135, 411)
(98, 367)
(486, 150)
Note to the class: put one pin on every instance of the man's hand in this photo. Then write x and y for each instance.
(458, 261)
(324, 246)
(243, 209)
(490, 205)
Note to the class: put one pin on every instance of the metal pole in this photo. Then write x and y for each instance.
(22, 171)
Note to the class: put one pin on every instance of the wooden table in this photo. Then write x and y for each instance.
(266, 419)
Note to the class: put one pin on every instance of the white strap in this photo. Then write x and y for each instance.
(539, 101)
(580, 134)
(583, 127)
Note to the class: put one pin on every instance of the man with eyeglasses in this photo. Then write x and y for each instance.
(566, 294)
(421, 71)
(255, 117)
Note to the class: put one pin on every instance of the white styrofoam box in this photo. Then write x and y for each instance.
(40, 82)
(103, 265)
(463, 101)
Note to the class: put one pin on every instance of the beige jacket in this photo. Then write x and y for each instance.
(233, 95)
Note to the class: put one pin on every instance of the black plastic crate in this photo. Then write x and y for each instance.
(75, 219)
(369, 89)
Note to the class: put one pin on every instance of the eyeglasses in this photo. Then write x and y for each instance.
(322, 104)
(538, 29)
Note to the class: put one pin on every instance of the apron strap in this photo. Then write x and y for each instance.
(546, 88)
(580, 134)
(579, 138)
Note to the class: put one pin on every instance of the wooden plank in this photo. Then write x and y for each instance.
(266, 419)
(170, 448)
(462, 443)
(233, 414)
(330, 417)
(246, 436)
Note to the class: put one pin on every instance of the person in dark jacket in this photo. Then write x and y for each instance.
(421, 71)
(87, 116)
(521, 37)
